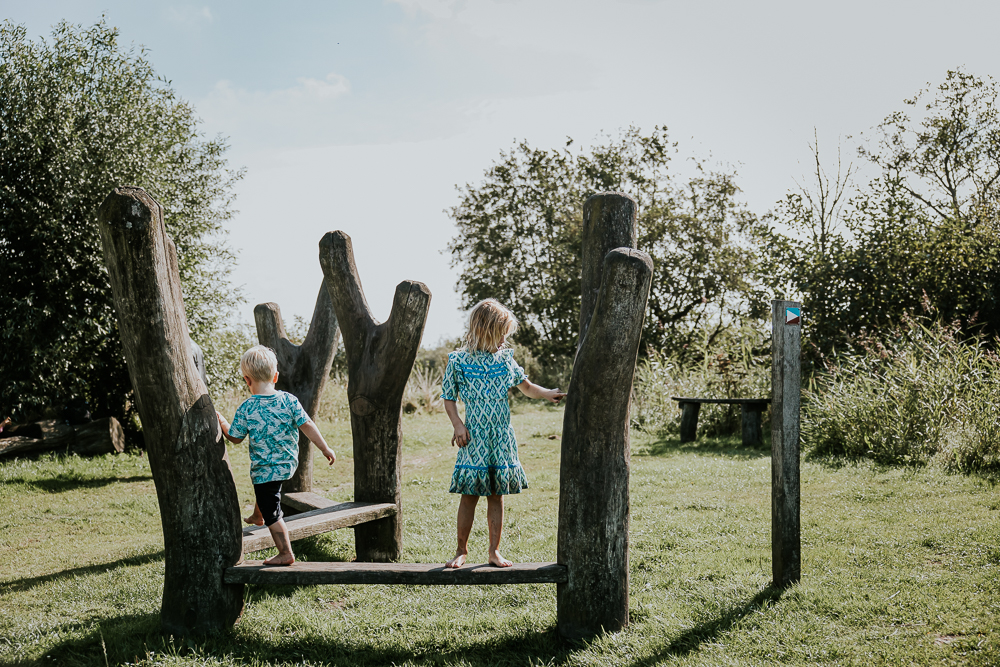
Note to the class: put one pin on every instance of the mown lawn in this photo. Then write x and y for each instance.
(900, 566)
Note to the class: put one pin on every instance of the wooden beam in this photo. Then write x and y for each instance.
(786, 388)
(414, 574)
(307, 524)
(305, 501)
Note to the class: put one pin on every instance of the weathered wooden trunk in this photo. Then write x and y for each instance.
(594, 471)
(380, 357)
(302, 369)
(786, 388)
(101, 436)
(689, 421)
(199, 508)
(608, 223)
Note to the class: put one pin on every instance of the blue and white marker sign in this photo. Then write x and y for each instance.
(793, 315)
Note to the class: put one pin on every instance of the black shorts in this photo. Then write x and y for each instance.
(268, 497)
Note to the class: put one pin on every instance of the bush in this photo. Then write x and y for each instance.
(919, 394)
(736, 364)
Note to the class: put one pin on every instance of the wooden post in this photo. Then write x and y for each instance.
(750, 424)
(786, 387)
(608, 223)
(379, 360)
(199, 506)
(594, 470)
(689, 420)
(302, 369)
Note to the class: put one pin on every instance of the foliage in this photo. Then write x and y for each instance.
(519, 235)
(78, 116)
(928, 225)
(737, 364)
(915, 394)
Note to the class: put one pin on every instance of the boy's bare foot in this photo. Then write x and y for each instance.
(6, 422)
(456, 562)
(255, 519)
(496, 560)
(280, 559)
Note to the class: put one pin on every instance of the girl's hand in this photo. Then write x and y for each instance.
(554, 395)
(461, 437)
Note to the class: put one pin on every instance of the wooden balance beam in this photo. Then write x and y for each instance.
(324, 520)
(416, 574)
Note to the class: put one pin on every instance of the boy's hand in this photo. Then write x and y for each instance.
(555, 395)
(461, 437)
(222, 422)
(329, 454)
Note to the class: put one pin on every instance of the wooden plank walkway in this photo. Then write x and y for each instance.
(307, 524)
(426, 574)
(305, 501)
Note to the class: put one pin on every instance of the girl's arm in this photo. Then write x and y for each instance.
(310, 431)
(225, 429)
(532, 390)
(461, 437)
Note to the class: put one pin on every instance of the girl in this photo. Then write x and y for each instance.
(487, 465)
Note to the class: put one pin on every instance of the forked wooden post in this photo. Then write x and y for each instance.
(608, 223)
(302, 369)
(380, 357)
(199, 506)
(786, 387)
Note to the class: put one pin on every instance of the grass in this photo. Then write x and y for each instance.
(900, 566)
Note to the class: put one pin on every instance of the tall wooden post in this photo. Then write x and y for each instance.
(594, 470)
(302, 369)
(199, 506)
(379, 360)
(608, 223)
(786, 388)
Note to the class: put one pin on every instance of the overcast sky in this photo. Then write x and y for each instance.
(363, 115)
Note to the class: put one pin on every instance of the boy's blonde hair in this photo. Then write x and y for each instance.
(490, 322)
(259, 363)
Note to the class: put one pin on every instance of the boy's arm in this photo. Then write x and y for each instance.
(310, 431)
(225, 429)
(461, 436)
(532, 390)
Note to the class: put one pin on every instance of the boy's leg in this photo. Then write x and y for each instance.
(494, 517)
(466, 515)
(279, 533)
(269, 503)
(255, 519)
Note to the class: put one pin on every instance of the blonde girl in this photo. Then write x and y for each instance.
(481, 373)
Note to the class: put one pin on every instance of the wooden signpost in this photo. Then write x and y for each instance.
(786, 384)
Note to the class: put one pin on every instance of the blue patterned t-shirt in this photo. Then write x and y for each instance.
(272, 421)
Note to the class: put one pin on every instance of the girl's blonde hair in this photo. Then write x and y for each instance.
(490, 323)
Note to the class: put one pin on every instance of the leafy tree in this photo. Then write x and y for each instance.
(519, 235)
(925, 231)
(78, 116)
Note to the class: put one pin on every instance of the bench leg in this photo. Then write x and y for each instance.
(689, 421)
(752, 436)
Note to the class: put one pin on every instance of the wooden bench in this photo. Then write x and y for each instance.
(751, 411)
(314, 522)
(427, 574)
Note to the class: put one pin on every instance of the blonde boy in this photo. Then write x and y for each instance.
(272, 419)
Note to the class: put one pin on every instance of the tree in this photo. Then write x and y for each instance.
(519, 239)
(925, 231)
(79, 116)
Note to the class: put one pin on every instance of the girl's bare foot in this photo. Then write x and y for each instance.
(255, 519)
(280, 559)
(496, 560)
(456, 562)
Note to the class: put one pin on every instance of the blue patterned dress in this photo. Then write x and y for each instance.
(488, 465)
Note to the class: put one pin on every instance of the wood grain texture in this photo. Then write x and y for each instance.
(426, 574)
(594, 469)
(314, 522)
(786, 388)
(380, 357)
(101, 436)
(302, 369)
(304, 501)
(608, 223)
(199, 506)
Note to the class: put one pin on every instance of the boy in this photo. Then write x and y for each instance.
(273, 420)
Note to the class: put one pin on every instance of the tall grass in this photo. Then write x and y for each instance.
(915, 395)
(735, 364)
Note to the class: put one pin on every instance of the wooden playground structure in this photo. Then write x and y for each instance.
(203, 535)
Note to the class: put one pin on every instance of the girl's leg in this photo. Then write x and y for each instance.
(494, 516)
(466, 515)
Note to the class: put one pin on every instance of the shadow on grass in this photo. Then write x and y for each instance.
(691, 639)
(127, 639)
(69, 482)
(726, 446)
(18, 585)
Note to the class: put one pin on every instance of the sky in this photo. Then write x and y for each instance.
(364, 115)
